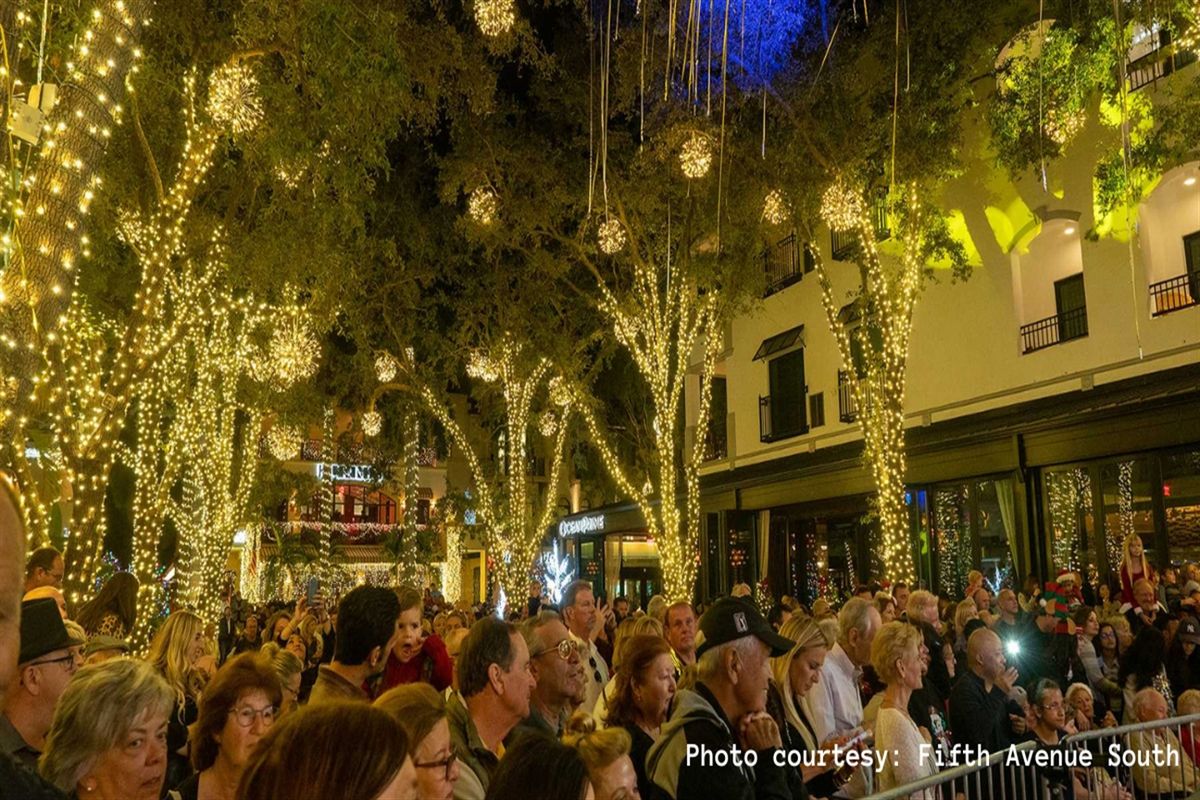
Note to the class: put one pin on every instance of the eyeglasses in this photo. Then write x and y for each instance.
(70, 661)
(246, 715)
(595, 669)
(445, 764)
(565, 649)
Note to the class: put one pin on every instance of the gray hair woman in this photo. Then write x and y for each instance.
(108, 740)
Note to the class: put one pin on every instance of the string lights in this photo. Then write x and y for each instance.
(775, 209)
(611, 237)
(878, 378)
(233, 100)
(294, 349)
(372, 423)
(695, 157)
(385, 367)
(495, 17)
(283, 442)
(483, 205)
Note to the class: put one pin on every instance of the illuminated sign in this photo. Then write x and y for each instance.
(574, 527)
(345, 473)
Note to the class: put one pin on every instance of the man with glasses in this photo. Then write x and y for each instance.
(48, 659)
(585, 622)
(45, 567)
(554, 660)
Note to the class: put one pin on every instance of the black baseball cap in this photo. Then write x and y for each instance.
(1189, 630)
(731, 619)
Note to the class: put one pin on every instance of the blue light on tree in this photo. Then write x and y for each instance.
(762, 34)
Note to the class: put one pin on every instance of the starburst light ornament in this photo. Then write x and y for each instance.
(372, 423)
(385, 367)
(696, 156)
(294, 351)
(233, 100)
(495, 17)
(481, 368)
(283, 442)
(841, 206)
(775, 208)
(611, 236)
(483, 205)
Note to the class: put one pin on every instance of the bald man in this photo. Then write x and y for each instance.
(48, 592)
(15, 781)
(980, 713)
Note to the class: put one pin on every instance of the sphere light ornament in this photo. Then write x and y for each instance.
(372, 423)
(385, 367)
(233, 100)
(775, 208)
(481, 368)
(294, 351)
(696, 156)
(283, 442)
(548, 424)
(483, 205)
(559, 391)
(495, 17)
(611, 236)
(842, 207)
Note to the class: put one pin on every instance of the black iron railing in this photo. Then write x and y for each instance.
(847, 404)
(1158, 63)
(782, 264)
(716, 441)
(1071, 324)
(843, 244)
(778, 422)
(1182, 291)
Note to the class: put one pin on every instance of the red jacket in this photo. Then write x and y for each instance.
(432, 665)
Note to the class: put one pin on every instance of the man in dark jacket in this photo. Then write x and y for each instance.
(980, 714)
(719, 740)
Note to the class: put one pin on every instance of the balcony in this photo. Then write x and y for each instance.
(844, 244)
(1071, 324)
(1182, 291)
(716, 443)
(784, 265)
(847, 404)
(1159, 59)
(780, 421)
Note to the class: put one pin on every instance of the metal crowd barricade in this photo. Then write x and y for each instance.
(1129, 767)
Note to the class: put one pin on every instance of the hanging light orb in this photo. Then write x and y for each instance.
(385, 367)
(611, 236)
(842, 207)
(481, 368)
(233, 100)
(1062, 126)
(294, 351)
(775, 209)
(372, 423)
(559, 391)
(548, 424)
(283, 442)
(696, 156)
(483, 205)
(495, 17)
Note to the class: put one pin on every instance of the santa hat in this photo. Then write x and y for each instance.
(1066, 574)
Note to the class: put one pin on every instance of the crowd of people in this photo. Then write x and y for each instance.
(392, 694)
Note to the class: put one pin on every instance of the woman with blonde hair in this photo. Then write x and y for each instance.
(1134, 566)
(107, 740)
(606, 755)
(964, 612)
(288, 668)
(421, 711)
(896, 656)
(174, 653)
(629, 627)
(793, 676)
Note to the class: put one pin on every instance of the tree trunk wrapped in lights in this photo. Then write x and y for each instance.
(513, 526)
(50, 237)
(887, 296)
(661, 320)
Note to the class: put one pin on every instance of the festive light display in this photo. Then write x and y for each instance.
(775, 208)
(233, 100)
(385, 367)
(842, 206)
(556, 572)
(371, 423)
(483, 205)
(548, 424)
(890, 292)
(695, 157)
(283, 442)
(512, 527)
(611, 237)
(294, 350)
(495, 17)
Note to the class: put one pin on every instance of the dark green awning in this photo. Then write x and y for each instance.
(778, 342)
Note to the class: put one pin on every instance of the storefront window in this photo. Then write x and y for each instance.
(712, 554)
(952, 537)
(995, 523)
(1181, 504)
(1071, 520)
(741, 556)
